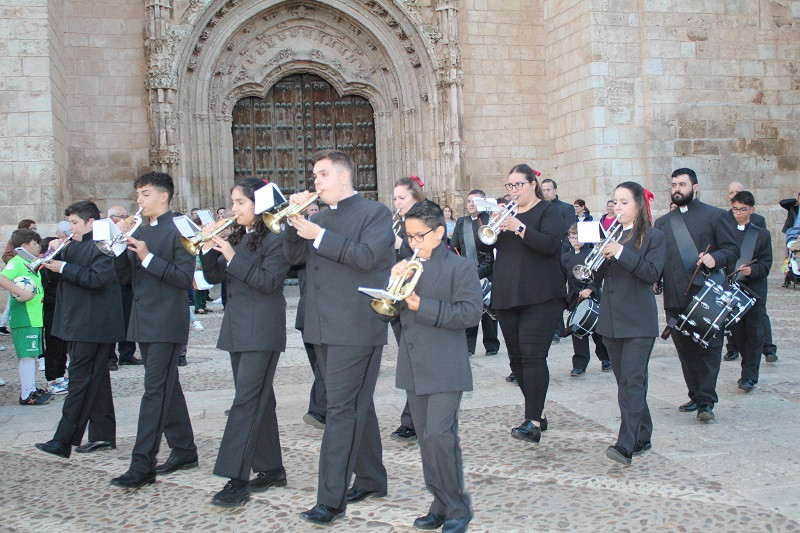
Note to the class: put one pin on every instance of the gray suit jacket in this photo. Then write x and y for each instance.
(707, 225)
(357, 250)
(88, 301)
(160, 309)
(628, 308)
(255, 311)
(567, 212)
(433, 354)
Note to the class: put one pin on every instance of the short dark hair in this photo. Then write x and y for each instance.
(744, 197)
(476, 191)
(24, 236)
(548, 180)
(26, 223)
(689, 172)
(85, 209)
(161, 181)
(337, 157)
(427, 212)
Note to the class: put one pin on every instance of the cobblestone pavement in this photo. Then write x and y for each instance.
(740, 473)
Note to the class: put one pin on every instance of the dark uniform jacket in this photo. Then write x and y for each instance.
(88, 301)
(357, 250)
(485, 259)
(255, 310)
(160, 310)
(628, 308)
(433, 353)
(707, 225)
(570, 260)
(756, 282)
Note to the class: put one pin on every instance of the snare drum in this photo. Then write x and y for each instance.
(742, 303)
(705, 316)
(583, 318)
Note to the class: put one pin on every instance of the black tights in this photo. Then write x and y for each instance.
(528, 332)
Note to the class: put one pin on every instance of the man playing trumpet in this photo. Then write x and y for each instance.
(351, 244)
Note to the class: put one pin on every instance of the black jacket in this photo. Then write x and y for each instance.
(756, 282)
(485, 261)
(790, 204)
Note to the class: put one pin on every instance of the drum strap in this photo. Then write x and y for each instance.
(469, 240)
(688, 250)
(747, 248)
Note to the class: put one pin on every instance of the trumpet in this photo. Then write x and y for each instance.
(400, 288)
(488, 233)
(397, 223)
(591, 264)
(198, 243)
(274, 221)
(34, 266)
(129, 225)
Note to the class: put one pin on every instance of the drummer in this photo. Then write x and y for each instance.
(578, 291)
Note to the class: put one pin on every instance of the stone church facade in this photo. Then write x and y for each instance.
(590, 92)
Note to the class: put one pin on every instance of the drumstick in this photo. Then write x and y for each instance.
(730, 276)
(696, 270)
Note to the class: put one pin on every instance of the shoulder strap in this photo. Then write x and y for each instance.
(683, 239)
(747, 248)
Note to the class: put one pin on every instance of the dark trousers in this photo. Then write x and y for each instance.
(700, 365)
(317, 402)
(351, 442)
(748, 335)
(55, 349)
(126, 349)
(528, 332)
(768, 347)
(580, 347)
(405, 416)
(200, 299)
(629, 359)
(490, 340)
(89, 400)
(437, 434)
(163, 409)
(251, 441)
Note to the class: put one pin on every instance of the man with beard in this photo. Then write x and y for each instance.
(706, 226)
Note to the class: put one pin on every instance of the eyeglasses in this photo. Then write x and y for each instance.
(740, 209)
(411, 238)
(516, 186)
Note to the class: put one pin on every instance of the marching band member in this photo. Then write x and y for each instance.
(529, 292)
(88, 315)
(253, 266)
(160, 272)
(628, 315)
(348, 245)
(433, 364)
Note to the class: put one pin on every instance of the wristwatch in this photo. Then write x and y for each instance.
(520, 229)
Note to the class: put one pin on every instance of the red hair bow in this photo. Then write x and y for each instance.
(419, 181)
(536, 172)
(649, 197)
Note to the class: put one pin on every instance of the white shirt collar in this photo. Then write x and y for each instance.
(626, 228)
(684, 208)
(741, 227)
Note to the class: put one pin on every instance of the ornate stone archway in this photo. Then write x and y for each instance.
(222, 50)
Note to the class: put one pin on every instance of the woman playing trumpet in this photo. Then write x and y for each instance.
(529, 291)
(252, 265)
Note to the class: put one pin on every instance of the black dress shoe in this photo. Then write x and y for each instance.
(112, 366)
(705, 413)
(430, 521)
(641, 446)
(575, 372)
(173, 464)
(231, 496)
(771, 357)
(511, 378)
(182, 360)
(527, 431)
(356, 494)
(321, 514)
(265, 480)
(619, 454)
(56, 447)
(688, 407)
(731, 356)
(405, 434)
(747, 385)
(314, 420)
(134, 480)
(456, 525)
(133, 361)
(543, 424)
(491, 352)
(96, 445)
(606, 366)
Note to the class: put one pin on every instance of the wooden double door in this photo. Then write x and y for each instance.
(274, 137)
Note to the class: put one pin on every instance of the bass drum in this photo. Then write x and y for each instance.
(583, 318)
(742, 303)
(706, 314)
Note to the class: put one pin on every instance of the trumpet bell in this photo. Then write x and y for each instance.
(384, 308)
(583, 272)
(191, 246)
(487, 235)
(272, 222)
